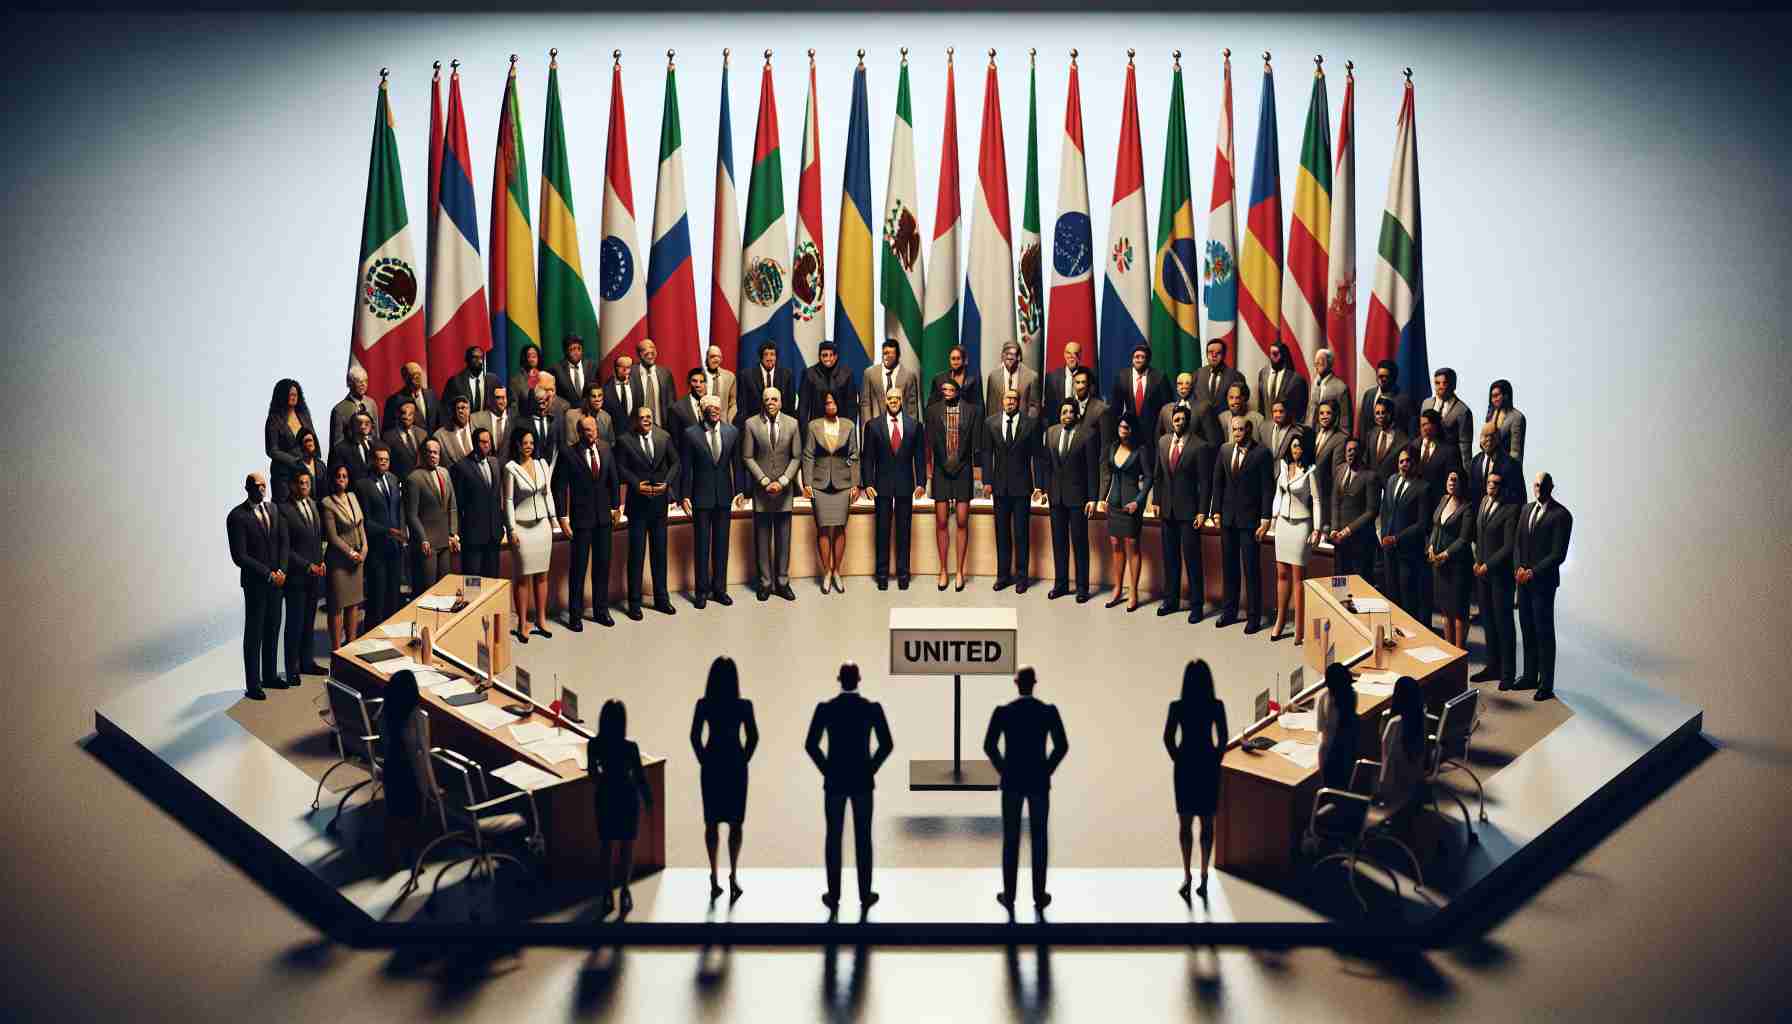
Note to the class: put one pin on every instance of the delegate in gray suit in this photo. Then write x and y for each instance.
(434, 519)
(1021, 379)
(880, 378)
(831, 474)
(1459, 423)
(1329, 386)
(771, 448)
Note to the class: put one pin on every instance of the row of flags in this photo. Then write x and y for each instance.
(1172, 292)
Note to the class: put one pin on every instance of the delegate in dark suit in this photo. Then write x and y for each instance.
(1184, 474)
(434, 519)
(479, 491)
(1484, 465)
(571, 376)
(1355, 500)
(1496, 536)
(406, 446)
(649, 458)
(819, 380)
(658, 390)
(622, 398)
(893, 472)
(1211, 382)
(1243, 493)
(258, 543)
(587, 493)
(1402, 518)
(1381, 448)
(1543, 529)
(476, 388)
(848, 722)
(429, 411)
(1286, 386)
(1015, 744)
(382, 502)
(754, 380)
(1202, 423)
(1406, 414)
(1072, 469)
(304, 582)
(1010, 444)
(1123, 396)
(1022, 379)
(708, 484)
(357, 455)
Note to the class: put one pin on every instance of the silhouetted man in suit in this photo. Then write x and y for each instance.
(892, 451)
(848, 768)
(382, 502)
(587, 494)
(1184, 473)
(1139, 391)
(1401, 525)
(1543, 529)
(1496, 537)
(711, 491)
(1010, 444)
(648, 462)
(1015, 744)
(1355, 496)
(258, 543)
(1071, 467)
(480, 493)
(1243, 493)
(304, 577)
(473, 383)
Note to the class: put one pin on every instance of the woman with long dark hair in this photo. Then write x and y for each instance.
(1195, 736)
(621, 794)
(1337, 727)
(345, 556)
(723, 760)
(1506, 419)
(1403, 746)
(831, 483)
(1448, 550)
(398, 727)
(288, 415)
(522, 382)
(1125, 483)
(1299, 517)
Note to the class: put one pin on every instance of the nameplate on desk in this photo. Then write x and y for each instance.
(388, 654)
(473, 583)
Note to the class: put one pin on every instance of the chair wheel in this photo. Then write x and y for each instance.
(1474, 839)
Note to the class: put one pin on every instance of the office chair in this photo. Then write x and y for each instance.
(1351, 819)
(1449, 750)
(357, 743)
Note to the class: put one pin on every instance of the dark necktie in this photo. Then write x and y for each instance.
(1175, 454)
(1008, 429)
(1237, 460)
(591, 459)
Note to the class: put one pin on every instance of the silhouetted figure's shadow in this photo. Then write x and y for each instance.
(1034, 1005)
(836, 1004)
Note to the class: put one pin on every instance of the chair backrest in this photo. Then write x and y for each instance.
(1461, 716)
(1338, 817)
(423, 766)
(352, 716)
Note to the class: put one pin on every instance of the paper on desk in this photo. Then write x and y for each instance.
(397, 665)
(1429, 654)
(564, 750)
(452, 688)
(1304, 755)
(487, 715)
(1371, 604)
(530, 732)
(437, 602)
(1369, 689)
(367, 645)
(524, 775)
(396, 630)
(430, 678)
(1301, 721)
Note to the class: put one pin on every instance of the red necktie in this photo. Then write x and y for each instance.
(441, 487)
(1175, 454)
(895, 434)
(593, 460)
(1138, 393)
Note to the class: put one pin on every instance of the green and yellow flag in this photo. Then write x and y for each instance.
(565, 303)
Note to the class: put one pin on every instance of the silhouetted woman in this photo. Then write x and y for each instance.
(1201, 720)
(398, 771)
(723, 760)
(621, 793)
(1337, 728)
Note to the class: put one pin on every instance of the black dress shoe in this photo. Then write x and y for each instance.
(604, 619)
(1006, 899)
(786, 593)
(1084, 597)
(722, 598)
(276, 683)
(520, 638)
(1525, 683)
(633, 612)
(576, 626)
(538, 631)
(883, 584)
(1506, 684)
(761, 593)
(1167, 609)
(255, 693)
(902, 584)
(700, 602)
(1194, 616)
(1057, 592)
(830, 901)
(1251, 626)
(314, 669)
(664, 608)
(1485, 675)
(1021, 587)
(1544, 693)
(1002, 584)
(1224, 620)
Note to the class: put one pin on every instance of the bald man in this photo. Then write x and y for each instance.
(1201, 422)
(658, 388)
(1328, 386)
(719, 382)
(429, 414)
(1061, 383)
(342, 414)
(259, 547)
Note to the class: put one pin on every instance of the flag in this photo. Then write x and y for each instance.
(1175, 306)
(765, 279)
(457, 315)
(435, 175)
(724, 299)
(1260, 262)
(623, 322)
(808, 263)
(1309, 236)
(988, 322)
(671, 286)
(515, 318)
(902, 286)
(1126, 292)
(1029, 285)
(1071, 312)
(941, 319)
(1340, 284)
(1219, 262)
(565, 299)
(388, 330)
(1395, 326)
(854, 291)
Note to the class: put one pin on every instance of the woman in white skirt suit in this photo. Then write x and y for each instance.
(529, 510)
(1299, 519)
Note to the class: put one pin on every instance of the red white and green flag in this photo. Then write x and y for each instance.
(1309, 236)
(1395, 326)
(388, 326)
(940, 332)
(1029, 283)
(808, 263)
(765, 276)
(902, 286)
(1340, 285)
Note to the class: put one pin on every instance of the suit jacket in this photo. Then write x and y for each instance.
(766, 461)
(461, 384)
(584, 498)
(1215, 395)
(1134, 477)
(383, 512)
(705, 481)
(1453, 535)
(849, 722)
(453, 448)
(751, 382)
(1385, 465)
(896, 472)
(621, 400)
(1278, 439)
(1073, 476)
(1181, 492)
(1056, 387)
(1015, 743)
(1293, 393)
(257, 551)
(1458, 426)
(1354, 505)
(723, 385)
(343, 411)
(1243, 498)
(872, 390)
(836, 470)
(667, 390)
(481, 504)
(349, 454)
(1405, 415)
(1008, 465)
(1496, 535)
(1253, 426)
(405, 459)
(637, 468)
(1404, 518)
(1026, 381)
(1094, 412)
(433, 514)
(1122, 401)
(488, 419)
(429, 413)
(1202, 422)
(282, 443)
(969, 416)
(1511, 434)
(1326, 453)
(1511, 476)
(563, 379)
(970, 393)
(1435, 471)
(1331, 387)
(818, 381)
(1543, 548)
(680, 417)
(568, 435)
(304, 541)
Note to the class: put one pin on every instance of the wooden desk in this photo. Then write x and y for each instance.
(1265, 799)
(568, 808)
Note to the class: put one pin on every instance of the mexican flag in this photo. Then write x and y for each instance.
(388, 327)
(941, 330)
(903, 272)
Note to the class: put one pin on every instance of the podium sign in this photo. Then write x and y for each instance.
(953, 642)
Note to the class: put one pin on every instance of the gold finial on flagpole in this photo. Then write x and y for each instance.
(992, 56)
(905, 55)
(726, 51)
(438, 71)
(1032, 56)
(454, 68)
(1408, 76)
(1266, 60)
(949, 52)
(1176, 60)
(811, 56)
(383, 73)
(1129, 52)
(861, 58)
(553, 57)
(670, 63)
(1350, 69)
(1319, 65)
(1226, 55)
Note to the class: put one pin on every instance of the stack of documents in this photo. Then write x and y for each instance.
(1372, 683)
(396, 630)
(1429, 654)
(556, 751)
(532, 732)
(1304, 755)
(524, 775)
(437, 602)
(1301, 721)
(367, 645)
(1371, 604)
(487, 715)
(397, 665)
(452, 688)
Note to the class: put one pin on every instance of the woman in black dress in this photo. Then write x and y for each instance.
(1448, 551)
(723, 762)
(288, 415)
(621, 793)
(1337, 728)
(1125, 481)
(953, 426)
(970, 389)
(398, 772)
(1201, 718)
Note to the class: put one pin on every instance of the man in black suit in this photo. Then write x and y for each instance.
(479, 491)
(1178, 497)
(388, 536)
(1542, 546)
(826, 377)
(428, 412)
(1355, 498)
(1384, 441)
(1061, 383)
(623, 395)
(648, 461)
(892, 452)
(1326, 442)
(1496, 535)
(1071, 467)
(1490, 460)
(354, 451)
(304, 577)
(1091, 411)
(1015, 744)
(472, 383)
(753, 380)
(587, 495)
(1139, 391)
(258, 543)
(1211, 382)
(1387, 385)
(1281, 381)
(1201, 423)
(1243, 495)
(1401, 526)
(687, 412)
(542, 421)
(572, 373)
(658, 389)
(710, 489)
(404, 441)
(1010, 444)
(848, 769)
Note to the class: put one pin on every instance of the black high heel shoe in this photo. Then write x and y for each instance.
(715, 891)
(1118, 597)
(960, 587)
(520, 638)
(735, 892)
